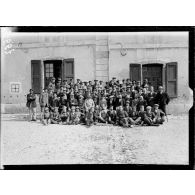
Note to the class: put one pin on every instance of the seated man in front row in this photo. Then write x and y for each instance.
(122, 117)
(159, 115)
(111, 116)
(149, 117)
(134, 117)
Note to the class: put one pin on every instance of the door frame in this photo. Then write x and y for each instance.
(153, 61)
(157, 64)
(51, 58)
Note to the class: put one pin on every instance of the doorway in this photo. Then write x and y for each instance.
(52, 68)
(153, 72)
(63, 69)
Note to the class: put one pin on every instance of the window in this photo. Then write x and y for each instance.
(49, 70)
(15, 88)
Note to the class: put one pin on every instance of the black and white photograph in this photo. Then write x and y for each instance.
(95, 98)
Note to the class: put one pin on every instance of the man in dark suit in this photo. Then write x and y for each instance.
(162, 99)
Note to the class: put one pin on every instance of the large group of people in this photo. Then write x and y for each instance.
(124, 103)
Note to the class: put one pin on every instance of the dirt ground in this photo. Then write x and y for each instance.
(26, 142)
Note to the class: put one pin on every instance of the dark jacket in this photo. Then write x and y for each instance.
(43, 99)
(120, 102)
(31, 101)
(162, 99)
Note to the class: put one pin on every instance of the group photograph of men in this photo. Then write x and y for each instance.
(123, 103)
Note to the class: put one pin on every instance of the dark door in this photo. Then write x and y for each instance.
(53, 68)
(153, 72)
(68, 70)
(135, 72)
(171, 79)
(36, 76)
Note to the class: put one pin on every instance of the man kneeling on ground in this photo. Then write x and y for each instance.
(55, 118)
(46, 116)
(149, 117)
(111, 116)
(64, 116)
(134, 117)
(122, 117)
(159, 115)
(89, 117)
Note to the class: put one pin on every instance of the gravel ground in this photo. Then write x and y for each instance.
(32, 143)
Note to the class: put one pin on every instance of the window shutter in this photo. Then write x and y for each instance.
(135, 72)
(171, 79)
(36, 76)
(68, 69)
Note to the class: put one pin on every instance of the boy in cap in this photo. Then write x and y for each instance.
(127, 107)
(89, 117)
(59, 83)
(46, 120)
(78, 116)
(71, 83)
(51, 86)
(55, 117)
(112, 82)
(31, 104)
(54, 102)
(73, 116)
(101, 85)
(77, 83)
(96, 85)
(145, 83)
(128, 83)
(95, 97)
(88, 103)
(103, 118)
(111, 102)
(141, 113)
(72, 101)
(43, 100)
(149, 117)
(122, 117)
(159, 115)
(64, 116)
(96, 114)
(65, 84)
(141, 102)
(138, 86)
(80, 101)
(111, 115)
(61, 92)
(134, 117)
(151, 97)
(103, 103)
(120, 101)
(63, 102)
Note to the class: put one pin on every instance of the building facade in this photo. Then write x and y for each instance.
(30, 60)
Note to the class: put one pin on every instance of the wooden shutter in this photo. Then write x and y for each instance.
(36, 76)
(135, 72)
(171, 79)
(68, 70)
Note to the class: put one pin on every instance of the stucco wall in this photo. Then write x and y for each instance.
(95, 57)
(153, 47)
(17, 67)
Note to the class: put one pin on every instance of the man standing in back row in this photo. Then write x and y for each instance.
(162, 99)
